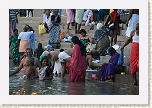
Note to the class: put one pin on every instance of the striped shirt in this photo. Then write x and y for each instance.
(12, 13)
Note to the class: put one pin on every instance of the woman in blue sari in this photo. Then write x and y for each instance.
(107, 70)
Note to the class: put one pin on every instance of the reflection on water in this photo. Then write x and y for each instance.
(59, 86)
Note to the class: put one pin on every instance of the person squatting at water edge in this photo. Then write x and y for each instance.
(108, 69)
(23, 64)
(90, 57)
(134, 54)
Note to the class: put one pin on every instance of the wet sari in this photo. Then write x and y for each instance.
(77, 66)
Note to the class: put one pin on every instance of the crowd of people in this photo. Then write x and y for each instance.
(46, 63)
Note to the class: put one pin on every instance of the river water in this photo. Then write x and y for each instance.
(61, 86)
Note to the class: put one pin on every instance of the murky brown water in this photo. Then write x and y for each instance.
(59, 86)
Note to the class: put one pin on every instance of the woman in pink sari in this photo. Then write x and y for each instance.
(77, 64)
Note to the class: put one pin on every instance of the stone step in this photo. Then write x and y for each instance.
(33, 25)
(122, 36)
(125, 79)
(38, 19)
(119, 78)
(38, 12)
(30, 19)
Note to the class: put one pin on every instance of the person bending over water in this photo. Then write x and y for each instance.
(90, 57)
(65, 57)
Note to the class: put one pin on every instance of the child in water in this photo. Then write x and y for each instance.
(45, 73)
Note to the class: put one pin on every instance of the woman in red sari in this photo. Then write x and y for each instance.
(134, 55)
(77, 64)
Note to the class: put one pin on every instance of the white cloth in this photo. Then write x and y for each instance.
(48, 21)
(63, 55)
(25, 35)
(86, 13)
(132, 24)
(57, 67)
(44, 17)
(99, 26)
(45, 53)
(135, 38)
(41, 72)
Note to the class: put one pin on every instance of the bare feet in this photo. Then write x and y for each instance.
(109, 80)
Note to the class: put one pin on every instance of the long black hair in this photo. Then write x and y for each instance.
(111, 51)
(40, 50)
(83, 31)
(76, 40)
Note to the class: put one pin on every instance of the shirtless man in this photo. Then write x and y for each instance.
(64, 57)
(29, 53)
(56, 65)
(29, 71)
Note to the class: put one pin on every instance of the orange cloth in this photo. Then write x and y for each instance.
(134, 58)
(23, 45)
(62, 36)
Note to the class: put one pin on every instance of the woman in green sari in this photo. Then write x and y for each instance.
(13, 45)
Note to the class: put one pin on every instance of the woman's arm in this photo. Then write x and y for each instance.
(91, 65)
(91, 40)
(128, 40)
